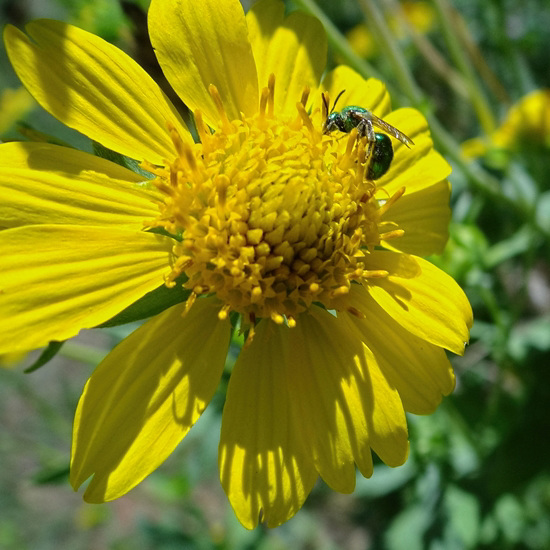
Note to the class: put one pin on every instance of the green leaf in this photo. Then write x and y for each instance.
(519, 243)
(47, 355)
(463, 513)
(543, 211)
(26, 130)
(152, 303)
(121, 160)
(49, 476)
(529, 335)
(407, 531)
(385, 480)
(511, 519)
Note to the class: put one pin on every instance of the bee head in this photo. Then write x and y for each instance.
(333, 122)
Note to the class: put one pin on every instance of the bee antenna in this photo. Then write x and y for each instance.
(336, 101)
(325, 103)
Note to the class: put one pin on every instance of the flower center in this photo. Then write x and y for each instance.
(273, 215)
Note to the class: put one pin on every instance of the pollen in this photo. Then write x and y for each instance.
(268, 213)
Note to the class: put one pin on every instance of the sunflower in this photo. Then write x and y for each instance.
(260, 223)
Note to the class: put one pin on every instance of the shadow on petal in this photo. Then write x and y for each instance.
(145, 396)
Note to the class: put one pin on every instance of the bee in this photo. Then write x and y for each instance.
(380, 149)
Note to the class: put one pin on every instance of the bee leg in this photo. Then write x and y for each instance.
(365, 128)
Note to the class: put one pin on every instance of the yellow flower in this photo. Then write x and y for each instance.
(526, 123)
(10, 360)
(421, 16)
(14, 104)
(418, 14)
(264, 217)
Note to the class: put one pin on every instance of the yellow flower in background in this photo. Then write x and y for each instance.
(418, 14)
(10, 360)
(362, 41)
(421, 15)
(14, 105)
(265, 217)
(526, 123)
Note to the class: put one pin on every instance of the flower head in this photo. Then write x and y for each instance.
(526, 125)
(262, 216)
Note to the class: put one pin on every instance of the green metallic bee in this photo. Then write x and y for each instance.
(380, 150)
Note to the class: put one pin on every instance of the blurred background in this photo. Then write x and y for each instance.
(479, 471)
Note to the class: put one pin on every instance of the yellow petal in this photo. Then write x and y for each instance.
(95, 88)
(56, 279)
(262, 20)
(424, 215)
(342, 401)
(423, 212)
(383, 410)
(419, 371)
(370, 94)
(294, 50)
(203, 43)
(326, 401)
(422, 298)
(419, 166)
(264, 468)
(57, 185)
(145, 396)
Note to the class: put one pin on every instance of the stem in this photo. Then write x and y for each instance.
(338, 41)
(82, 353)
(401, 70)
(485, 72)
(479, 101)
(443, 139)
(427, 50)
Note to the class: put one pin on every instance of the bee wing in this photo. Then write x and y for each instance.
(388, 128)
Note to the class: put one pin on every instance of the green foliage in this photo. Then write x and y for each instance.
(46, 356)
(152, 303)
